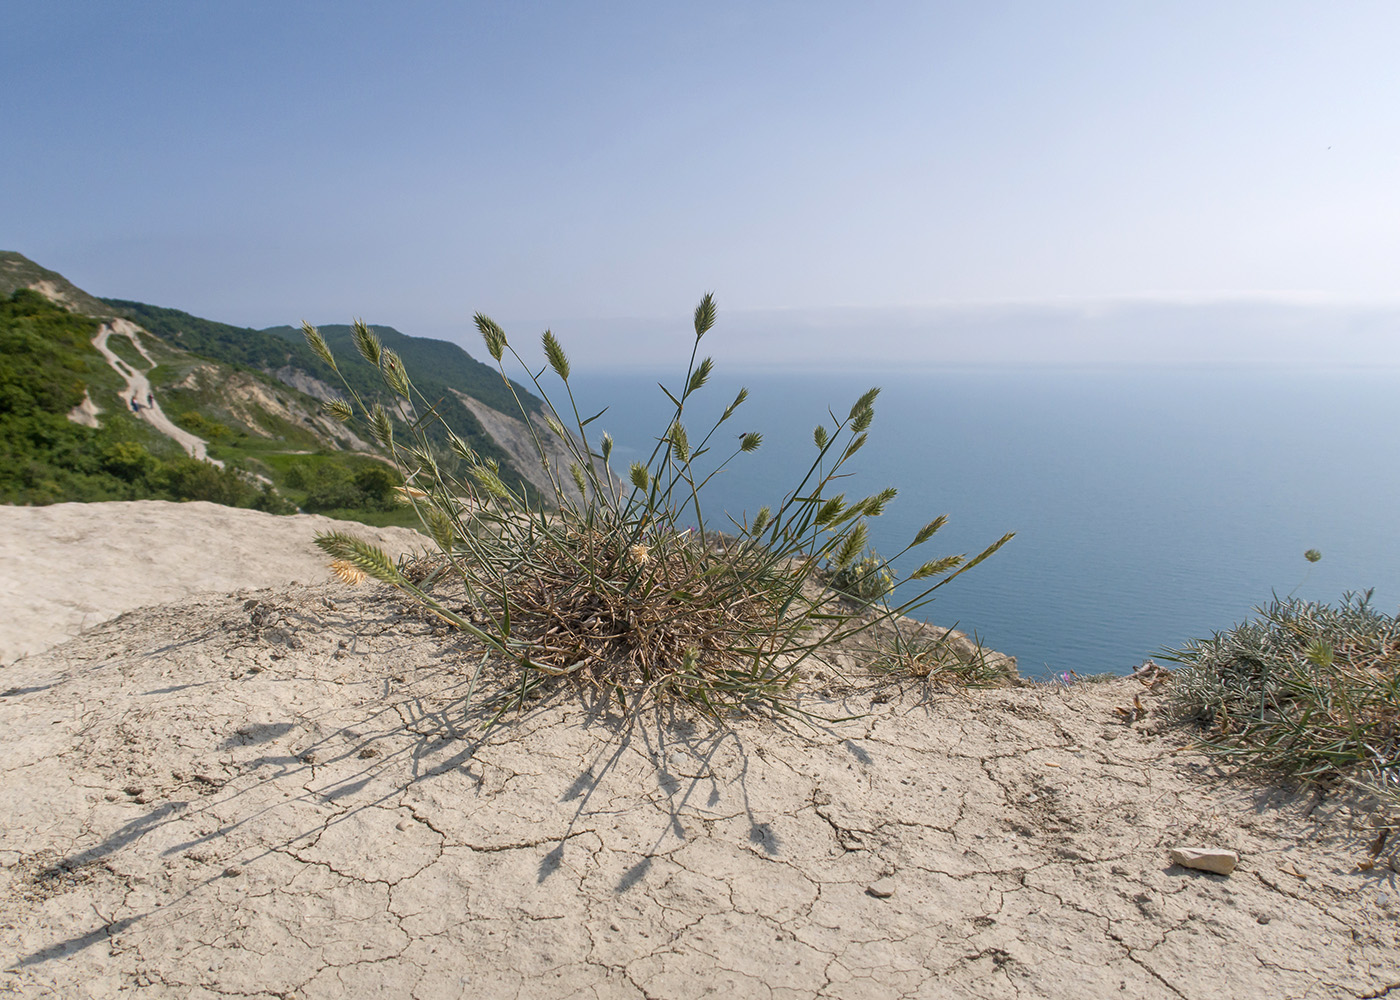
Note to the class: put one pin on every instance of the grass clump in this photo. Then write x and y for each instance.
(602, 582)
(1307, 689)
(939, 657)
(867, 579)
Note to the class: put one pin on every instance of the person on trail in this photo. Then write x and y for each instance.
(150, 401)
(135, 406)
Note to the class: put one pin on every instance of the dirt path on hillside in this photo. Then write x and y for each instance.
(138, 388)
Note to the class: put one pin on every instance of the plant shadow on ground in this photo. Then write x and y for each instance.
(416, 728)
(416, 723)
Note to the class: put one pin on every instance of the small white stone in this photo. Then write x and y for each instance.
(881, 888)
(1206, 859)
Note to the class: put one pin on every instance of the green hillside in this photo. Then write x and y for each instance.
(235, 345)
(436, 367)
(47, 366)
(253, 395)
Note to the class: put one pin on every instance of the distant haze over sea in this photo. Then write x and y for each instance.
(1151, 505)
(1270, 329)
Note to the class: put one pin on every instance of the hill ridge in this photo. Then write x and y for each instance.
(245, 390)
(18, 271)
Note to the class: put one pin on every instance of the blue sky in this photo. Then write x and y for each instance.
(874, 182)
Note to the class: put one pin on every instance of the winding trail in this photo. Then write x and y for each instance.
(139, 388)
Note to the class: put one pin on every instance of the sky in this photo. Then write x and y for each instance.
(859, 184)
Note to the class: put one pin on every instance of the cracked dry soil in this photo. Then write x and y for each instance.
(282, 794)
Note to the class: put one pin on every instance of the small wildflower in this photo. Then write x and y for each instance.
(348, 572)
(641, 555)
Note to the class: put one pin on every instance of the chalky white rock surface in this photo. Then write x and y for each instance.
(283, 793)
(70, 566)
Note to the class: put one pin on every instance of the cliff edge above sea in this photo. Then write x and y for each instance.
(222, 772)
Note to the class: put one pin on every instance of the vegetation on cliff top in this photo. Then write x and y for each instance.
(1307, 690)
(18, 271)
(614, 591)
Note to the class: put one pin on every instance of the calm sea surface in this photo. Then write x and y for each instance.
(1150, 506)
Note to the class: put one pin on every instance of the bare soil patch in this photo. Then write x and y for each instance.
(281, 793)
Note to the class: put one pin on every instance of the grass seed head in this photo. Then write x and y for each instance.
(348, 572)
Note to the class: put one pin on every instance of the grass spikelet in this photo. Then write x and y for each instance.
(700, 376)
(852, 546)
(492, 334)
(555, 353)
(936, 567)
(443, 531)
(760, 520)
(391, 367)
(366, 342)
(348, 573)
(875, 506)
(489, 480)
(830, 510)
(381, 426)
(679, 441)
(863, 405)
(930, 529)
(317, 343)
(367, 558)
(704, 315)
(460, 448)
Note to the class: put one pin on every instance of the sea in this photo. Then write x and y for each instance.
(1150, 506)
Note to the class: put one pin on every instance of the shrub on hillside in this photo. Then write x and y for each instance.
(128, 460)
(210, 430)
(45, 458)
(334, 484)
(41, 345)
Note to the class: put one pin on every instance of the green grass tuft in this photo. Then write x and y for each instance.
(603, 585)
(1308, 690)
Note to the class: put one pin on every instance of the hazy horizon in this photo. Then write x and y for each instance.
(896, 183)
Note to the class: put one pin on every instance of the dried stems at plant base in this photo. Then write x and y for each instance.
(1307, 689)
(607, 587)
(939, 657)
